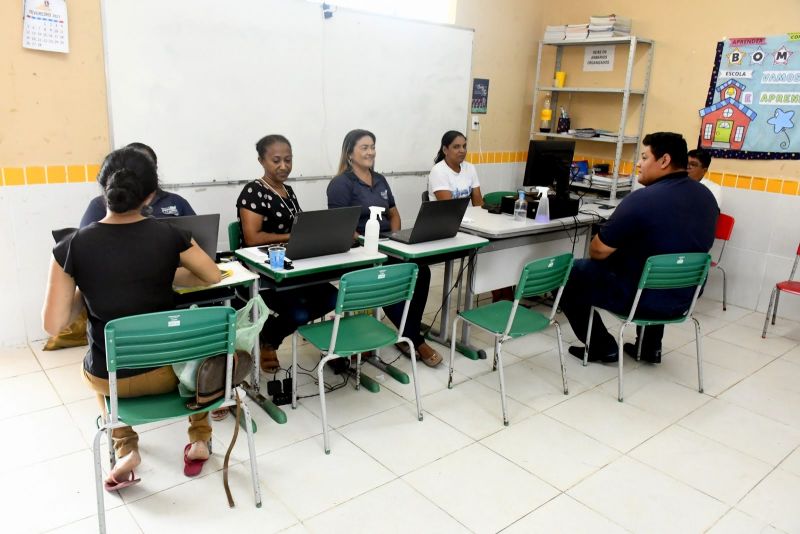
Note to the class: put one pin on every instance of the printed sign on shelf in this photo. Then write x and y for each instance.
(599, 58)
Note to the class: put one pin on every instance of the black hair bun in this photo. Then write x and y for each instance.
(123, 191)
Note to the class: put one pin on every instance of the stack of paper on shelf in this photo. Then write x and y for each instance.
(555, 33)
(577, 32)
(605, 26)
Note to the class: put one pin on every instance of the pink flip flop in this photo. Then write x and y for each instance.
(115, 485)
(191, 468)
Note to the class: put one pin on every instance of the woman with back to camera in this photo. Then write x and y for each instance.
(124, 265)
(451, 176)
(359, 185)
(267, 208)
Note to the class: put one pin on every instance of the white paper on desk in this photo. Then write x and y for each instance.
(44, 25)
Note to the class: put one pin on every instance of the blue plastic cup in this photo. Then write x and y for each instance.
(276, 256)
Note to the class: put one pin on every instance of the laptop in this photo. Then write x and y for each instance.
(204, 230)
(437, 219)
(322, 232)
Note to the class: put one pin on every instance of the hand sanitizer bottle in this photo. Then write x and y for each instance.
(372, 230)
(521, 208)
(543, 210)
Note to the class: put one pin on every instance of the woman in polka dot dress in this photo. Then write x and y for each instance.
(267, 208)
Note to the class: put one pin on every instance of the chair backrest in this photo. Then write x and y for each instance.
(672, 271)
(163, 338)
(495, 196)
(425, 196)
(376, 287)
(234, 235)
(724, 227)
(543, 275)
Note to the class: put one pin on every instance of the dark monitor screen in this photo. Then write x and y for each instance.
(549, 163)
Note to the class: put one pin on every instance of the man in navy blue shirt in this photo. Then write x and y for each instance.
(164, 204)
(672, 214)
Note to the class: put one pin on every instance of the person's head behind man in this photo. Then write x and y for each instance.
(663, 153)
(698, 163)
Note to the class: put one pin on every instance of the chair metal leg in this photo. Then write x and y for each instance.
(413, 354)
(588, 338)
(769, 309)
(251, 447)
(499, 358)
(320, 379)
(112, 454)
(358, 372)
(494, 359)
(638, 347)
(294, 370)
(620, 358)
(561, 357)
(452, 353)
(98, 480)
(724, 289)
(775, 307)
(699, 354)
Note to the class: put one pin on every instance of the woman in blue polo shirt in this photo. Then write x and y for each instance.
(359, 185)
(164, 203)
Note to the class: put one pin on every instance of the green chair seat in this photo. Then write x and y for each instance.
(661, 272)
(537, 278)
(362, 290)
(494, 318)
(357, 333)
(142, 410)
(641, 321)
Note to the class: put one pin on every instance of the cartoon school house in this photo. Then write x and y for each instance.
(725, 122)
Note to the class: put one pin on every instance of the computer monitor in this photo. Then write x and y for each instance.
(549, 164)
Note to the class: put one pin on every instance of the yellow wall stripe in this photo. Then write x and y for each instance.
(77, 173)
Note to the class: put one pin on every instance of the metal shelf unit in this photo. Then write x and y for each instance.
(626, 91)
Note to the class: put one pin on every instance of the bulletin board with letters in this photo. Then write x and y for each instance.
(751, 109)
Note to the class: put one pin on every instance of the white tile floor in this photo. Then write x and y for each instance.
(667, 459)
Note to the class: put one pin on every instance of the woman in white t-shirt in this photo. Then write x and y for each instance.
(452, 177)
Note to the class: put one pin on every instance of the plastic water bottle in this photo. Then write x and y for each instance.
(372, 230)
(543, 209)
(521, 208)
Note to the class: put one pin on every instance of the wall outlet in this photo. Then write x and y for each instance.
(476, 122)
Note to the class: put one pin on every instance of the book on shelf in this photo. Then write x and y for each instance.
(606, 26)
(555, 33)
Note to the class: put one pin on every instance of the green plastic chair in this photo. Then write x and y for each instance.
(495, 196)
(508, 320)
(343, 336)
(234, 235)
(665, 271)
(155, 340)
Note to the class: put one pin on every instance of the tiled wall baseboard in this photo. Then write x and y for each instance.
(59, 174)
(50, 174)
(784, 186)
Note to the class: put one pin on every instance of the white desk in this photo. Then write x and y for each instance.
(241, 277)
(318, 268)
(440, 250)
(354, 257)
(513, 244)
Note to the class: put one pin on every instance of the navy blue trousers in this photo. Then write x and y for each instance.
(593, 283)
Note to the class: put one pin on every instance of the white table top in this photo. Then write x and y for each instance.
(461, 241)
(241, 276)
(354, 256)
(480, 222)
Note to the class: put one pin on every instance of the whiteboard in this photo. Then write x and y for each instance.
(202, 80)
